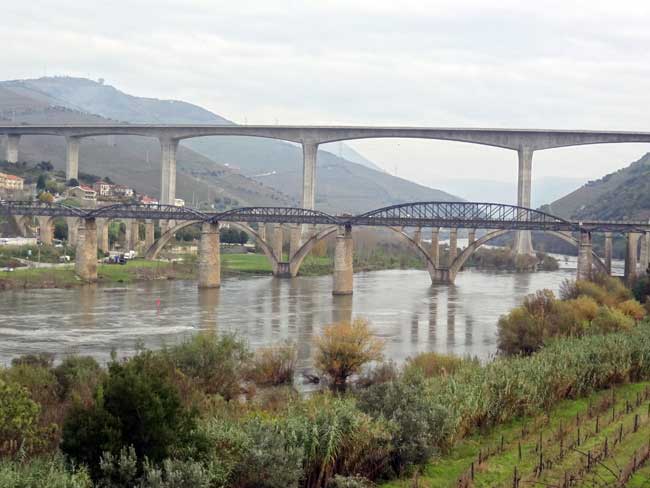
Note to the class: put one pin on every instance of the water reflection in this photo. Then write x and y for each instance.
(401, 305)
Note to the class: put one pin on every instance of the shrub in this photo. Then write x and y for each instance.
(641, 288)
(18, 418)
(434, 364)
(216, 364)
(78, 374)
(344, 348)
(349, 482)
(42, 360)
(611, 320)
(632, 308)
(519, 332)
(421, 425)
(136, 405)
(40, 472)
(381, 373)
(273, 365)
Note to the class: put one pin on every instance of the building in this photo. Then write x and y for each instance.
(147, 200)
(11, 182)
(103, 188)
(83, 193)
(179, 202)
(122, 191)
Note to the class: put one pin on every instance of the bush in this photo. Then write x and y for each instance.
(18, 418)
(349, 482)
(41, 360)
(79, 375)
(273, 365)
(216, 364)
(381, 373)
(632, 309)
(40, 472)
(433, 364)
(421, 425)
(136, 405)
(344, 348)
(611, 320)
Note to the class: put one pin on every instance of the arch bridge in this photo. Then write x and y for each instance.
(496, 219)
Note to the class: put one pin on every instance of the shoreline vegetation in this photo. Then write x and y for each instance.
(63, 276)
(210, 412)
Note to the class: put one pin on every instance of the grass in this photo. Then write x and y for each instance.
(498, 469)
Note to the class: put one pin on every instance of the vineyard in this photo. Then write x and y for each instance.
(601, 441)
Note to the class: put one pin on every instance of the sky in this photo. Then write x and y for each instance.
(512, 64)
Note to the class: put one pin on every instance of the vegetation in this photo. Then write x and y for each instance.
(587, 307)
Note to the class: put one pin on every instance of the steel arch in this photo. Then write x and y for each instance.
(278, 215)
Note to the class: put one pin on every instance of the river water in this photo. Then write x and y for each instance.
(401, 305)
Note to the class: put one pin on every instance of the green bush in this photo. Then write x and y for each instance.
(611, 320)
(136, 405)
(18, 418)
(421, 425)
(433, 364)
(216, 364)
(42, 472)
(273, 365)
(79, 374)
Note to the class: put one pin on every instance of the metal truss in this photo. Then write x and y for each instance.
(470, 215)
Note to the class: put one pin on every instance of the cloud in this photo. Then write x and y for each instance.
(445, 63)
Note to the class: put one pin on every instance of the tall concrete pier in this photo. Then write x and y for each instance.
(343, 265)
(13, 141)
(523, 240)
(168, 149)
(72, 158)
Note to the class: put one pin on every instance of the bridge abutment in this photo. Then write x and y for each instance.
(86, 251)
(13, 141)
(584, 256)
(72, 158)
(523, 241)
(343, 264)
(209, 256)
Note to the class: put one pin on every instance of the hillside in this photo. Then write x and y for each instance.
(622, 195)
(228, 163)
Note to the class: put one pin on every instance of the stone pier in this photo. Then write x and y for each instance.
(294, 240)
(46, 230)
(584, 256)
(277, 241)
(434, 253)
(471, 236)
(343, 267)
(73, 224)
(417, 236)
(149, 233)
(209, 256)
(608, 252)
(261, 230)
(86, 251)
(644, 255)
(102, 234)
(631, 257)
(453, 245)
(13, 141)
(72, 158)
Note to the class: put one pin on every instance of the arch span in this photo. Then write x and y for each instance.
(305, 249)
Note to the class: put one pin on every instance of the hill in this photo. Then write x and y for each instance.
(251, 170)
(622, 195)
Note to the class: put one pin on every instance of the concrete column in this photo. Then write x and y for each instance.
(294, 240)
(149, 233)
(435, 249)
(343, 268)
(168, 148)
(471, 236)
(277, 241)
(86, 254)
(523, 241)
(309, 155)
(417, 235)
(644, 255)
(631, 256)
(73, 224)
(584, 256)
(608, 252)
(45, 230)
(209, 256)
(453, 245)
(102, 234)
(72, 158)
(13, 141)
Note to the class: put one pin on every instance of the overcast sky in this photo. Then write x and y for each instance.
(540, 64)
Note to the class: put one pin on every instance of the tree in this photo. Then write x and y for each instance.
(41, 182)
(45, 197)
(344, 348)
(72, 182)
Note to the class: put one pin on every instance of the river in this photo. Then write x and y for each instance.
(401, 305)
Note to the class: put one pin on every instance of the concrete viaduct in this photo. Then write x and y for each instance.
(496, 219)
(524, 141)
